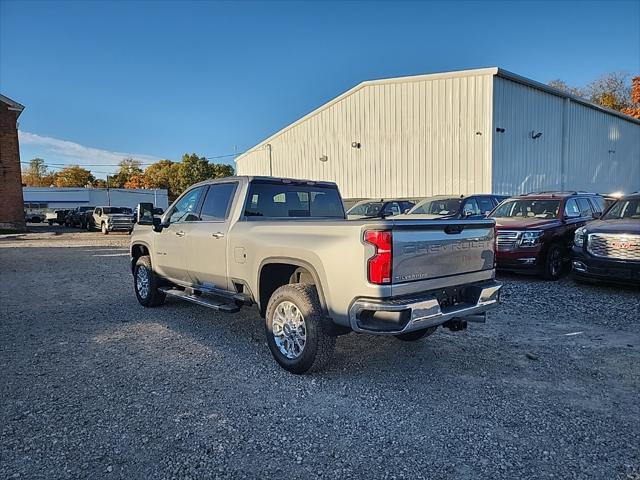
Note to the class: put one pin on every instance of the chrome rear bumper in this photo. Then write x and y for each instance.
(417, 313)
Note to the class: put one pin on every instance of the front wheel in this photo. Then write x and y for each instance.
(105, 230)
(295, 329)
(416, 334)
(146, 283)
(554, 263)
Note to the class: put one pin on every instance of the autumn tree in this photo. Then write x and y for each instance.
(127, 168)
(73, 176)
(561, 85)
(135, 181)
(37, 174)
(100, 183)
(634, 109)
(612, 90)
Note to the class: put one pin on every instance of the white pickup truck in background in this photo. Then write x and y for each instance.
(110, 219)
(286, 246)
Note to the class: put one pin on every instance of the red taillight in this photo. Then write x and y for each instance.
(380, 263)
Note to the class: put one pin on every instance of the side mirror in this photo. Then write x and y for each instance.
(145, 214)
(157, 224)
(597, 214)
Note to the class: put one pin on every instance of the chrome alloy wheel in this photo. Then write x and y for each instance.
(142, 282)
(289, 329)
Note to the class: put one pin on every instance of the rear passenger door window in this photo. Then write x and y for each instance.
(470, 207)
(571, 209)
(217, 202)
(585, 207)
(598, 204)
(486, 204)
(392, 208)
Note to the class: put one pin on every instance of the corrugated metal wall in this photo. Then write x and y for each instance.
(580, 148)
(604, 152)
(521, 163)
(419, 136)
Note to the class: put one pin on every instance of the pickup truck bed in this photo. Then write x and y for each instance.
(312, 276)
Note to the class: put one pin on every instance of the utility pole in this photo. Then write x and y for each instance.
(108, 194)
(270, 163)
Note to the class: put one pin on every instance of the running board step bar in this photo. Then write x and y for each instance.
(203, 300)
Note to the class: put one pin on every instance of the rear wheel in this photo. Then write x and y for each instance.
(146, 283)
(295, 327)
(554, 262)
(416, 334)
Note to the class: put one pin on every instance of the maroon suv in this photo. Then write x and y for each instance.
(535, 231)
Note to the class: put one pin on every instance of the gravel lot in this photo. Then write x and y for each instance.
(95, 386)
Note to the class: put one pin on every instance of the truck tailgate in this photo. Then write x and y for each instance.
(427, 249)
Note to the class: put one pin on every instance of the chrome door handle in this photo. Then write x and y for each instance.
(180, 233)
(217, 235)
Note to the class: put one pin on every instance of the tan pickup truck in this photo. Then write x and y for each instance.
(286, 246)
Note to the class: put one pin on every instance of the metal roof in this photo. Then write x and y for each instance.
(13, 105)
(495, 71)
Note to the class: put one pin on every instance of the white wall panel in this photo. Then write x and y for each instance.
(419, 136)
(521, 163)
(601, 152)
(604, 151)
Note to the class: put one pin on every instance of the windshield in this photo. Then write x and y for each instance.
(117, 210)
(525, 208)
(437, 206)
(624, 209)
(368, 209)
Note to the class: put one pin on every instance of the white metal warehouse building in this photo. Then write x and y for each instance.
(41, 199)
(474, 131)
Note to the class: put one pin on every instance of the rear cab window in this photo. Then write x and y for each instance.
(268, 199)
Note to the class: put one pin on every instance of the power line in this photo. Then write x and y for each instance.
(142, 164)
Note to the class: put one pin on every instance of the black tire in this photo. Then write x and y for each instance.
(50, 222)
(104, 229)
(553, 262)
(319, 344)
(416, 334)
(88, 226)
(153, 297)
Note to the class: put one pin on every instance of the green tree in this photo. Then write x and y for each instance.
(74, 176)
(37, 174)
(219, 170)
(128, 167)
(193, 169)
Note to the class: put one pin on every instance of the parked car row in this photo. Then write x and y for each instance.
(545, 233)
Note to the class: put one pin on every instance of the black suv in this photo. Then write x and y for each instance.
(609, 248)
(452, 207)
(77, 217)
(379, 208)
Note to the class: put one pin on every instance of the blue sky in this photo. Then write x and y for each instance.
(103, 80)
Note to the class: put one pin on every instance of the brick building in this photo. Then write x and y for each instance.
(11, 203)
